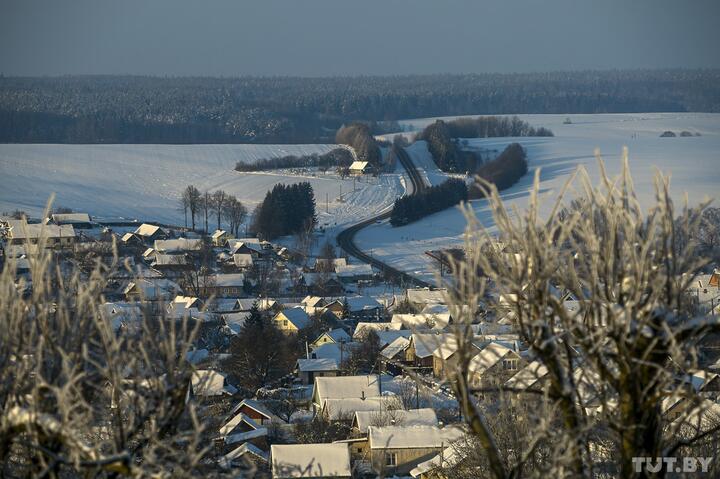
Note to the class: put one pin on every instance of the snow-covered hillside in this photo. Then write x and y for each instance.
(692, 162)
(144, 181)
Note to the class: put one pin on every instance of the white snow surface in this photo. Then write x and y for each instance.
(145, 181)
(693, 164)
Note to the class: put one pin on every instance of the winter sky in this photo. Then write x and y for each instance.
(351, 37)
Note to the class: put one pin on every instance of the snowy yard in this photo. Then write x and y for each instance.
(693, 163)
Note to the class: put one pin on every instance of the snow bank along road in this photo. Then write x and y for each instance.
(345, 238)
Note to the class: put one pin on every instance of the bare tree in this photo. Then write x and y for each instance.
(217, 205)
(86, 394)
(206, 205)
(192, 197)
(617, 368)
(235, 213)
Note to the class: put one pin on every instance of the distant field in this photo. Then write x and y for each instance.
(693, 163)
(144, 181)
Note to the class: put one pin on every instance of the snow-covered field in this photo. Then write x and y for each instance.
(145, 181)
(693, 163)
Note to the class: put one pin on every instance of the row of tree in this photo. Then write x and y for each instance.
(359, 136)
(505, 170)
(428, 201)
(337, 157)
(441, 138)
(286, 210)
(203, 205)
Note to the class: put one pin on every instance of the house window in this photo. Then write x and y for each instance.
(285, 322)
(390, 459)
(510, 364)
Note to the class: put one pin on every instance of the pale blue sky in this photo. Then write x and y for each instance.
(344, 37)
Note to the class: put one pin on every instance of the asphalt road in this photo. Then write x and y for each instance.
(346, 237)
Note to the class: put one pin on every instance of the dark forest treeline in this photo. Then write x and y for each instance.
(286, 209)
(337, 157)
(441, 138)
(428, 201)
(505, 170)
(359, 136)
(128, 109)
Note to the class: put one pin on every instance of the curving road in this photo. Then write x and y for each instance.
(345, 238)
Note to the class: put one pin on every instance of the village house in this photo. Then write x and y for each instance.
(243, 261)
(394, 417)
(292, 320)
(308, 369)
(77, 220)
(310, 461)
(241, 429)
(420, 322)
(178, 246)
(359, 168)
(209, 384)
(150, 233)
(419, 352)
(226, 285)
(246, 454)
(220, 238)
(344, 387)
(21, 232)
(327, 264)
(364, 308)
(257, 411)
(352, 273)
(151, 289)
(395, 450)
(131, 240)
(171, 262)
(494, 365)
(393, 356)
(362, 328)
(332, 336)
(344, 409)
(419, 298)
(322, 284)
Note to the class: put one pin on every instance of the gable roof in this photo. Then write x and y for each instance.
(412, 437)
(426, 296)
(353, 270)
(206, 382)
(218, 233)
(246, 448)
(297, 316)
(362, 303)
(147, 230)
(422, 321)
(359, 165)
(375, 326)
(425, 344)
(177, 245)
(338, 335)
(406, 418)
(228, 280)
(341, 387)
(528, 376)
(318, 364)
(310, 460)
(243, 260)
(398, 345)
(334, 409)
(256, 406)
(489, 356)
(70, 218)
(235, 421)
(313, 301)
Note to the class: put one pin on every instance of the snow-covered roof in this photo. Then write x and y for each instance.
(313, 301)
(426, 343)
(178, 245)
(256, 406)
(310, 460)
(353, 270)
(147, 230)
(342, 387)
(410, 417)
(398, 345)
(228, 280)
(362, 303)
(426, 296)
(206, 382)
(335, 409)
(246, 436)
(236, 421)
(316, 365)
(448, 457)
(218, 233)
(359, 165)
(338, 335)
(246, 448)
(242, 260)
(528, 376)
(70, 218)
(297, 316)
(489, 356)
(336, 351)
(412, 437)
(235, 321)
(387, 337)
(195, 356)
(170, 260)
(35, 231)
(362, 328)
(422, 321)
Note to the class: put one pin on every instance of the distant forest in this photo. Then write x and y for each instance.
(128, 109)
